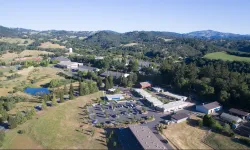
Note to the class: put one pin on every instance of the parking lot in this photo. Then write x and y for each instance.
(117, 113)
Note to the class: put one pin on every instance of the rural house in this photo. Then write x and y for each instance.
(209, 108)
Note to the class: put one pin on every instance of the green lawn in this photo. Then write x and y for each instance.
(218, 141)
(58, 128)
(226, 57)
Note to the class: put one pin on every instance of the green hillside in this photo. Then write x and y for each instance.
(226, 57)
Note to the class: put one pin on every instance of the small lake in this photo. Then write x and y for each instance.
(37, 91)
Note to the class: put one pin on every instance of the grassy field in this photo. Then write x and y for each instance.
(42, 75)
(33, 53)
(218, 141)
(56, 128)
(18, 41)
(50, 45)
(185, 136)
(226, 57)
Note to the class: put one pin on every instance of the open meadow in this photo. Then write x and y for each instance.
(226, 57)
(31, 76)
(185, 136)
(59, 127)
(218, 141)
(18, 41)
(26, 53)
(50, 45)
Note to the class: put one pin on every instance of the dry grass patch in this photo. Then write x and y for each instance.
(50, 45)
(18, 41)
(185, 136)
(56, 128)
(218, 141)
(33, 53)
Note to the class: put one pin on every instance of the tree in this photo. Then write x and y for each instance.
(53, 101)
(65, 89)
(110, 79)
(133, 65)
(86, 89)
(71, 92)
(114, 143)
(12, 122)
(81, 89)
(107, 85)
(44, 105)
(61, 97)
(45, 97)
(2, 136)
(99, 81)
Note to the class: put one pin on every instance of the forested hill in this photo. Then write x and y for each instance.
(145, 43)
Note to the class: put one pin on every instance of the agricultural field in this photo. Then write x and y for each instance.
(59, 127)
(50, 45)
(226, 57)
(18, 41)
(218, 141)
(185, 136)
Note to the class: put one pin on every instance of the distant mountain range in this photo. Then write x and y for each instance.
(205, 34)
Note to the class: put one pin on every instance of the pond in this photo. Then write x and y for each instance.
(37, 91)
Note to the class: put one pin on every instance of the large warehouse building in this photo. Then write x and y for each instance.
(146, 137)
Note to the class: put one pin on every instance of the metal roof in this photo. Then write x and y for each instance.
(212, 105)
(143, 93)
(180, 116)
(238, 112)
(155, 101)
(230, 118)
(146, 137)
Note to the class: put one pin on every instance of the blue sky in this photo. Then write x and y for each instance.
(128, 15)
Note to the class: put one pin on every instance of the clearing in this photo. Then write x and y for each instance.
(39, 76)
(226, 57)
(218, 141)
(129, 44)
(50, 45)
(33, 53)
(59, 127)
(18, 41)
(185, 136)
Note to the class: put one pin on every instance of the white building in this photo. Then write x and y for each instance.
(172, 106)
(209, 108)
(99, 57)
(70, 50)
(154, 101)
(69, 65)
(115, 97)
(175, 96)
(142, 93)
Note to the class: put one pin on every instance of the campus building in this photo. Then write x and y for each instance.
(115, 97)
(209, 108)
(146, 137)
(180, 117)
(172, 106)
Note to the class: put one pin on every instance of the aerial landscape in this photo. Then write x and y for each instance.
(105, 75)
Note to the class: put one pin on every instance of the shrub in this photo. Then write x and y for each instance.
(245, 141)
(2, 136)
(21, 131)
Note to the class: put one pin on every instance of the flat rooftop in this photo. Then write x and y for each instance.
(146, 137)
